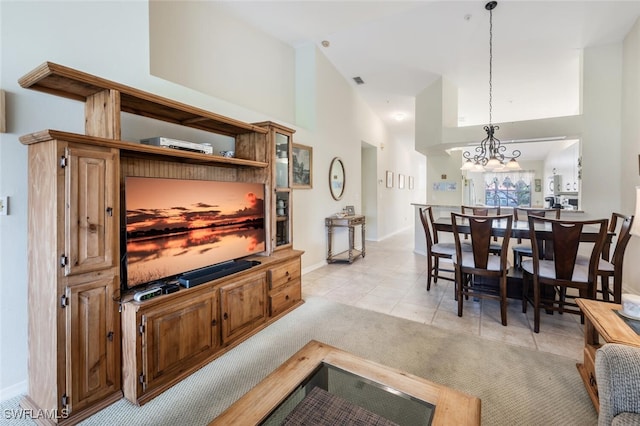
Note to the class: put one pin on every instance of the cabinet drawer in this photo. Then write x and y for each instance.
(284, 298)
(589, 365)
(284, 274)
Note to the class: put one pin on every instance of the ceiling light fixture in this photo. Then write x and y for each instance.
(490, 154)
(399, 116)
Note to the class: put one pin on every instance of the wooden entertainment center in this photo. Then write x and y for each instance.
(90, 344)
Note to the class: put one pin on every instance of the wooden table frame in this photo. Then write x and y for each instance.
(341, 222)
(451, 406)
(601, 320)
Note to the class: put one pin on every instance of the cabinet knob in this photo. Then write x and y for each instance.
(110, 211)
(225, 316)
(110, 336)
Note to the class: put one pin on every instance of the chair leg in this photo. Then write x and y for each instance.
(604, 281)
(468, 282)
(436, 269)
(460, 284)
(503, 299)
(562, 296)
(525, 292)
(429, 272)
(617, 288)
(536, 306)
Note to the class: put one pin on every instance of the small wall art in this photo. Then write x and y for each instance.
(302, 166)
(400, 181)
(389, 179)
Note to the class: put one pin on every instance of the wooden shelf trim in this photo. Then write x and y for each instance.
(73, 84)
(134, 148)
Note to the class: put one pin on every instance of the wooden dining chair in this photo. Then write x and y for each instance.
(479, 262)
(611, 267)
(484, 211)
(522, 213)
(555, 264)
(480, 210)
(435, 249)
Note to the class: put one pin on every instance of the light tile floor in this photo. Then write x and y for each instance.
(392, 279)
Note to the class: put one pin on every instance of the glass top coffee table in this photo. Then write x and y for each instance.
(321, 381)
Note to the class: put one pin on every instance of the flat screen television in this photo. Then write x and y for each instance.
(173, 226)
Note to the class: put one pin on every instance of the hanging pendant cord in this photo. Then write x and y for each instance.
(490, 63)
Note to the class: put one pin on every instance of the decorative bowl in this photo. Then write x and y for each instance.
(631, 306)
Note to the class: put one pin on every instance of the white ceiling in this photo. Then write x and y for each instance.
(399, 48)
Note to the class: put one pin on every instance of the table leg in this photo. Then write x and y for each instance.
(329, 238)
(351, 243)
(363, 247)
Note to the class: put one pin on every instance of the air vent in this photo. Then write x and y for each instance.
(358, 80)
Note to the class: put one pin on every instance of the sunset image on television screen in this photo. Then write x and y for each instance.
(175, 225)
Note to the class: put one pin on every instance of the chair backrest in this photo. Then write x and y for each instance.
(561, 240)
(480, 227)
(522, 213)
(480, 210)
(426, 217)
(623, 236)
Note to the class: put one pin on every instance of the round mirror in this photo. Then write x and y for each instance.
(336, 178)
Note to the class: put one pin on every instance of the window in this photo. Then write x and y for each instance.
(508, 189)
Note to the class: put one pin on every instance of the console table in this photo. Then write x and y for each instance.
(601, 320)
(341, 222)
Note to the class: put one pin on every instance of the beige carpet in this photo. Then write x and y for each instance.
(517, 386)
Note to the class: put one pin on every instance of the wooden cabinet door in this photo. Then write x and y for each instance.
(90, 209)
(243, 305)
(92, 342)
(177, 336)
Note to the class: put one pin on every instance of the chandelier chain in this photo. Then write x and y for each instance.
(490, 152)
(490, 64)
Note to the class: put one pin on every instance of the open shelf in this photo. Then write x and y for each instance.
(73, 84)
(132, 149)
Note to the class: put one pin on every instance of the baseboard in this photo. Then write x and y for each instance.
(9, 392)
(399, 231)
(314, 267)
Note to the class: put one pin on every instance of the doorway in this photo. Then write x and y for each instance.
(369, 190)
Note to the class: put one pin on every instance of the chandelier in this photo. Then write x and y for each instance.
(489, 155)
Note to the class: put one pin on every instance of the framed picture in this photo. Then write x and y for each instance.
(538, 185)
(302, 166)
(400, 181)
(351, 211)
(410, 182)
(389, 179)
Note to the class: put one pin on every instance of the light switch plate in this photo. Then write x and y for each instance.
(4, 205)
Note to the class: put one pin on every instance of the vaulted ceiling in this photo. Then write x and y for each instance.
(399, 48)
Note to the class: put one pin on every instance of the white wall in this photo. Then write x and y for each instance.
(601, 139)
(83, 35)
(630, 150)
(197, 46)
